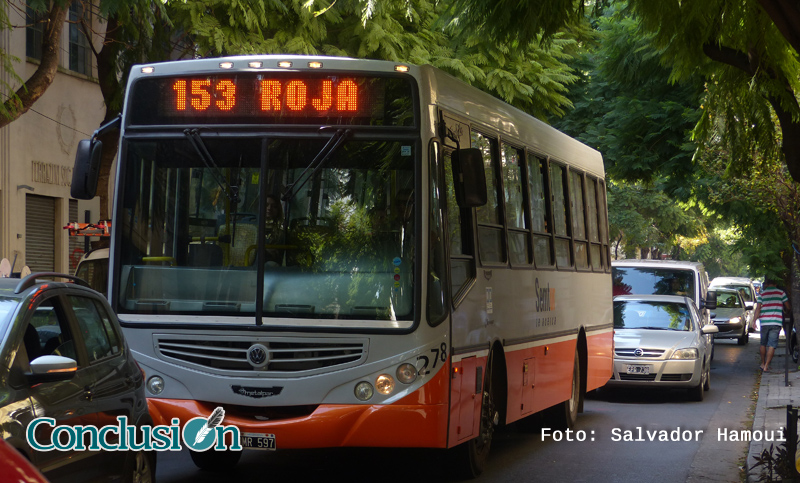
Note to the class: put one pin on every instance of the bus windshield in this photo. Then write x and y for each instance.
(338, 227)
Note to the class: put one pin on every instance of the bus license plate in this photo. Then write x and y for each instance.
(634, 369)
(258, 441)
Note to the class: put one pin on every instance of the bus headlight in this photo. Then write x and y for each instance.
(384, 384)
(406, 373)
(155, 385)
(364, 391)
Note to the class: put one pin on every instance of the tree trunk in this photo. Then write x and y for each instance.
(38, 83)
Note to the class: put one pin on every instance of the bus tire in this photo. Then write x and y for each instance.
(564, 415)
(215, 461)
(471, 457)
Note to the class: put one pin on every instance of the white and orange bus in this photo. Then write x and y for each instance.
(357, 253)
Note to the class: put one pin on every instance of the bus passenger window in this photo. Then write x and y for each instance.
(578, 221)
(518, 235)
(491, 244)
(540, 211)
(592, 224)
(560, 213)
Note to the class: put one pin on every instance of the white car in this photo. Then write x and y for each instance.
(659, 342)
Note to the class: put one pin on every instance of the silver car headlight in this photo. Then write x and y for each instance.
(685, 354)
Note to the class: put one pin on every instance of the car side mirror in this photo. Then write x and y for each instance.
(86, 171)
(51, 369)
(709, 329)
(469, 178)
(713, 315)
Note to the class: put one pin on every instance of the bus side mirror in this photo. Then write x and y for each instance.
(710, 302)
(469, 178)
(86, 170)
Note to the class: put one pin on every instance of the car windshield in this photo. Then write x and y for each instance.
(728, 300)
(651, 315)
(7, 306)
(742, 289)
(652, 281)
(337, 222)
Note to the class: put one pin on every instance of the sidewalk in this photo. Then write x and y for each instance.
(773, 397)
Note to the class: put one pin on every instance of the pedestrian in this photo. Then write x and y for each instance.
(770, 306)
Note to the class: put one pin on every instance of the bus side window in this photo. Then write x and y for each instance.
(516, 217)
(491, 242)
(437, 302)
(602, 220)
(576, 199)
(541, 220)
(592, 224)
(462, 259)
(560, 214)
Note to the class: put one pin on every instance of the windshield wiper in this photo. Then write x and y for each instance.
(231, 192)
(317, 163)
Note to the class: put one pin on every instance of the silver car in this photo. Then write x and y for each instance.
(732, 317)
(659, 342)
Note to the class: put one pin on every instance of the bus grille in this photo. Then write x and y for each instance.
(646, 353)
(286, 355)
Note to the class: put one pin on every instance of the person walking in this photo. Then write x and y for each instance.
(770, 306)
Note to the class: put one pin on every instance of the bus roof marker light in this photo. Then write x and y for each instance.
(226, 65)
(364, 391)
(256, 64)
(315, 65)
(401, 68)
(148, 70)
(285, 64)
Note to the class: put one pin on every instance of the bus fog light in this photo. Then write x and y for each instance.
(406, 373)
(155, 385)
(364, 391)
(384, 384)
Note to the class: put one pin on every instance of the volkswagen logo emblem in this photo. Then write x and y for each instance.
(637, 352)
(258, 356)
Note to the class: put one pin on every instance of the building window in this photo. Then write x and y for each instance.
(34, 31)
(79, 53)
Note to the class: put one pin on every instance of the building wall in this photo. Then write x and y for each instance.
(37, 150)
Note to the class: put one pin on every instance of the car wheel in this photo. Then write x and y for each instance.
(697, 393)
(139, 467)
(215, 460)
(744, 338)
(469, 459)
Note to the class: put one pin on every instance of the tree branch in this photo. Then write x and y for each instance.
(40, 80)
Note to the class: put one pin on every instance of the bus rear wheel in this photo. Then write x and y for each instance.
(564, 415)
(215, 460)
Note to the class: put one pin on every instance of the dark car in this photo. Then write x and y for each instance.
(63, 356)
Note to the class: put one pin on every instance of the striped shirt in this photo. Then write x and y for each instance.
(772, 300)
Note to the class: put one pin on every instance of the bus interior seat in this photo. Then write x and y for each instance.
(234, 253)
(205, 255)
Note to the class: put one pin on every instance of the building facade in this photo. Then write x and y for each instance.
(37, 150)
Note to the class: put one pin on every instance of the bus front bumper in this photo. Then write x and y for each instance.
(329, 425)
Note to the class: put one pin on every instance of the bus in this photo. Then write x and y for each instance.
(353, 253)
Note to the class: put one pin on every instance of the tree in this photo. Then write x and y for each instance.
(23, 98)
(751, 45)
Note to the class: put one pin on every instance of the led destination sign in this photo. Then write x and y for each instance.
(272, 98)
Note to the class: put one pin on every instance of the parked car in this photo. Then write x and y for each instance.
(742, 284)
(666, 277)
(732, 316)
(63, 355)
(659, 341)
(93, 267)
(15, 468)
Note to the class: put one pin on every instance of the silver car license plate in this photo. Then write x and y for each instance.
(258, 441)
(638, 369)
